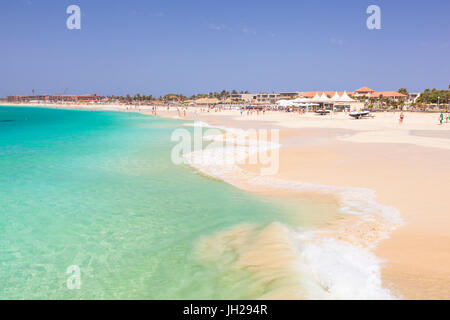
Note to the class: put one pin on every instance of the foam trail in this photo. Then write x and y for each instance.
(329, 264)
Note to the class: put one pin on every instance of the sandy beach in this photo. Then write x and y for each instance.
(405, 165)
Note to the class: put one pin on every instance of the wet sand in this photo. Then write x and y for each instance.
(407, 165)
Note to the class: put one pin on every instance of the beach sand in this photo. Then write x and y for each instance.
(406, 165)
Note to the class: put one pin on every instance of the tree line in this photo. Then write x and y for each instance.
(224, 94)
(429, 96)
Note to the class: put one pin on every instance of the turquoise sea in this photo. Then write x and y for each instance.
(98, 190)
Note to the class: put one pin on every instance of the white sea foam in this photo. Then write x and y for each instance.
(337, 264)
(200, 124)
(339, 270)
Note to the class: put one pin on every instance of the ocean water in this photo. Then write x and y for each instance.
(98, 190)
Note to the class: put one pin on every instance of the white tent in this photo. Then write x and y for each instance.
(285, 103)
(335, 98)
(324, 98)
(345, 98)
(316, 98)
(302, 100)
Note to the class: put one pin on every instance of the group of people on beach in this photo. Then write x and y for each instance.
(443, 117)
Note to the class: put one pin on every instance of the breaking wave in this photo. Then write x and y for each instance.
(296, 263)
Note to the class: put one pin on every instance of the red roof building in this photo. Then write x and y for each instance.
(389, 94)
(364, 89)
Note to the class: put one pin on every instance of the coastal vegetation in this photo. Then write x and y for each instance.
(434, 96)
(178, 97)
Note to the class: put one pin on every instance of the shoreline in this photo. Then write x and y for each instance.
(353, 159)
(313, 253)
(417, 252)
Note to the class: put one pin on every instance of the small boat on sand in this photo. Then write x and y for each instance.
(323, 112)
(359, 114)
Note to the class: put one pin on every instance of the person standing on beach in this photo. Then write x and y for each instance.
(402, 116)
(441, 118)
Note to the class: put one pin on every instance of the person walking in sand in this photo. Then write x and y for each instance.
(402, 116)
(441, 117)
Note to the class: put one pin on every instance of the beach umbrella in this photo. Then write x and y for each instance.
(302, 100)
(284, 103)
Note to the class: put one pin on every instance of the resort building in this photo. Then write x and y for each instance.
(370, 93)
(364, 91)
(54, 98)
(266, 97)
(289, 95)
(392, 95)
(246, 97)
(412, 97)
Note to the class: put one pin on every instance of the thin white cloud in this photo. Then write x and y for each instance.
(338, 42)
(219, 27)
(242, 28)
(247, 30)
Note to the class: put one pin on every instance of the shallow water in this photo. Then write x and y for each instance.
(98, 190)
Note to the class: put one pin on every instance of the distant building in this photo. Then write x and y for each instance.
(412, 97)
(370, 93)
(392, 95)
(54, 98)
(364, 91)
(289, 95)
(246, 97)
(266, 97)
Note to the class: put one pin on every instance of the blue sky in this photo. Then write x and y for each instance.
(157, 47)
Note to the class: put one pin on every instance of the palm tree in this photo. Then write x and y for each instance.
(403, 91)
(401, 103)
